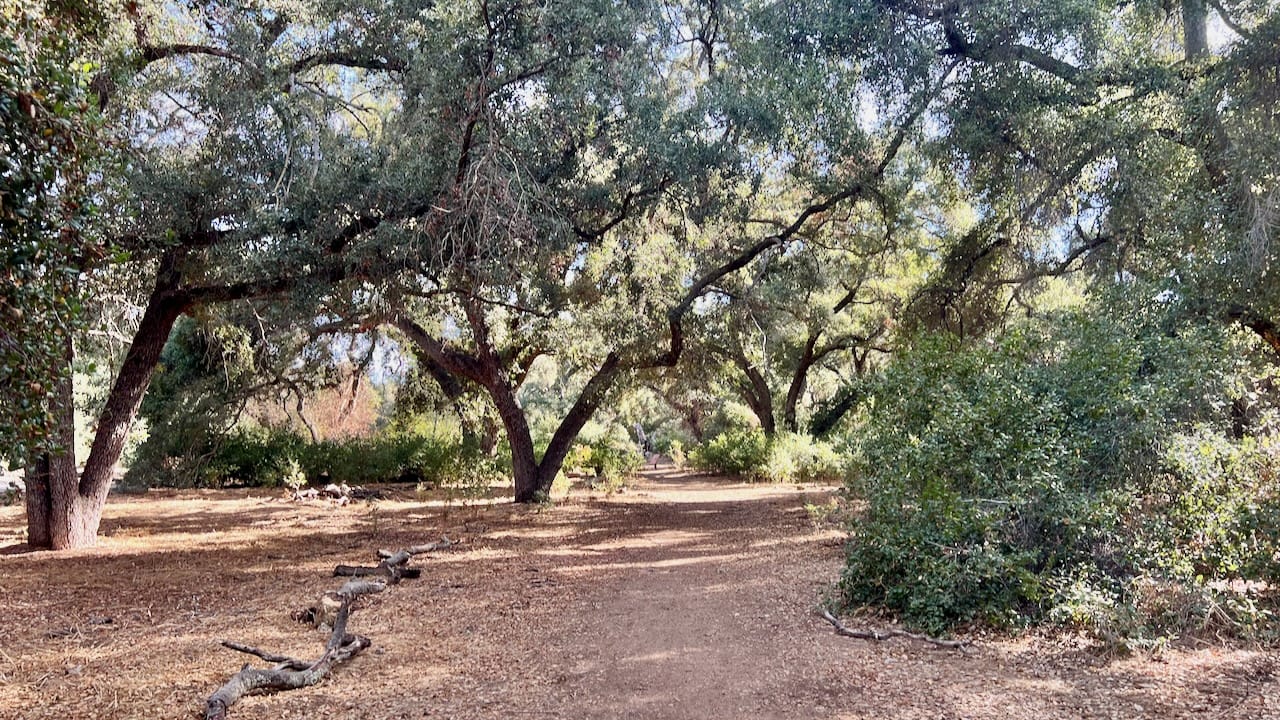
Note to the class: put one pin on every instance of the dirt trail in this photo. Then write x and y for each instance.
(683, 597)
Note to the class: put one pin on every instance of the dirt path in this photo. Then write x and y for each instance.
(682, 598)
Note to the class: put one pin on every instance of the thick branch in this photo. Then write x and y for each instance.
(340, 648)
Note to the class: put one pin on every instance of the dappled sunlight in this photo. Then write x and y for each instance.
(644, 604)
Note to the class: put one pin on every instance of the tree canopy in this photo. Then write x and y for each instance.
(1003, 265)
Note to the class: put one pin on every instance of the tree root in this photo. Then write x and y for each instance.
(877, 635)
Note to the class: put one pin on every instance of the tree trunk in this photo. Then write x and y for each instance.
(39, 502)
(798, 381)
(589, 400)
(758, 397)
(67, 509)
(524, 464)
(51, 477)
(1195, 35)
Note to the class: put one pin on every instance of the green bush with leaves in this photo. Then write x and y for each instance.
(795, 458)
(269, 457)
(737, 451)
(783, 458)
(1060, 474)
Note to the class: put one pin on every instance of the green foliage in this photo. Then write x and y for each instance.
(784, 458)
(468, 476)
(1059, 474)
(49, 144)
(258, 457)
(675, 450)
(795, 458)
(737, 451)
(612, 456)
(270, 457)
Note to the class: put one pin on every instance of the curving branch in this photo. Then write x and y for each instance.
(878, 635)
(292, 673)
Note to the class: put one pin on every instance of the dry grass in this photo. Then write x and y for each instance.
(683, 598)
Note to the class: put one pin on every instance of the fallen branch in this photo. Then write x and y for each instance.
(393, 572)
(291, 673)
(325, 610)
(394, 564)
(443, 544)
(842, 629)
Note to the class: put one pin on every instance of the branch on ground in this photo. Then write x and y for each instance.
(878, 635)
(292, 673)
(394, 565)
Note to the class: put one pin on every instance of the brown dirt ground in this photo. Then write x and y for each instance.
(683, 597)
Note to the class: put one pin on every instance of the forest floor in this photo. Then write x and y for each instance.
(683, 597)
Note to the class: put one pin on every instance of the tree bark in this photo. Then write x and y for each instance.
(66, 509)
(52, 476)
(1195, 35)
(589, 400)
(755, 391)
(524, 464)
(798, 380)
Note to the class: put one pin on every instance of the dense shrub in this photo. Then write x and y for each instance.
(786, 457)
(1082, 474)
(268, 457)
(736, 451)
(793, 458)
(609, 454)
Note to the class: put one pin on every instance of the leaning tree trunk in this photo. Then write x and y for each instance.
(589, 400)
(66, 509)
(798, 381)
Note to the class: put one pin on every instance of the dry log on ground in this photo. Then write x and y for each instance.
(394, 564)
(878, 635)
(292, 673)
(324, 611)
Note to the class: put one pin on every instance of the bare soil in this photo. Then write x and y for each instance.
(683, 597)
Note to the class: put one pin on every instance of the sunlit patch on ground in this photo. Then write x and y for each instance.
(681, 598)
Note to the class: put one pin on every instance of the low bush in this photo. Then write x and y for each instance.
(271, 457)
(784, 458)
(737, 451)
(793, 458)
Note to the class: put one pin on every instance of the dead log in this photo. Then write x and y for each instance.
(878, 635)
(292, 673)
(394, 565)
(324, 612)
